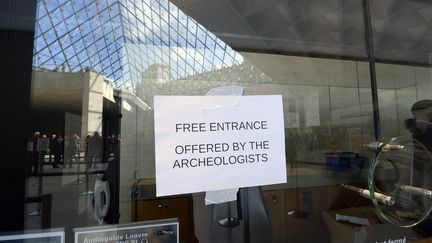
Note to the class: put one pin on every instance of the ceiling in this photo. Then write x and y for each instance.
(402, 29)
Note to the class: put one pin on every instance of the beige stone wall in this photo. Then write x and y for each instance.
(92, 104)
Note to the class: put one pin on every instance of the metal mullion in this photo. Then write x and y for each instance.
(195, 46)
(168, 24)
(112, 28)
(188, 31)
(77, 27)
(198, 39)
(40, 29)
(178, 73)
(67, 33)
(107, 57)
(90, 33)
(372, 68)
(61, 5)
(151, 29)
(214, 53)
(49, 57)
(160, 23)
(166, 44)
(76, 54)
(88, 59)
(46, 13)
(140, 55)
(164, 32)
(112, 73)
(196, 32)
(223, 55)
(119, 40)
(132, 25)
(207, 49)
(148, 56)
(152, 25)
(210, 61)
(187, 63)
(195, 71)
(83, 8)
(131, 12)
(178, 24)
(55, 33)
(124, 26)
(151, 58)
(164, 59)
(185, 26)
(93, 31)
(116, 50)
(55, 10)
(93, 55)
(120, 5)
(46, 45)
(169, 36)
(88, 55)
(49, 44)
(116, 62)
(179, 59)
(128, 62)
(106, 46)
(141, 32)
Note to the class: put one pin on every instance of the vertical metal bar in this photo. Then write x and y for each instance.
(246, 216)
(372, 70)
(46, 211)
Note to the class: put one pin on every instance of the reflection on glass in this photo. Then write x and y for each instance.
(98, 64)
(107, 37)
(401, 171)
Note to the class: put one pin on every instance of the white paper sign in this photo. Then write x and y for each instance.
(207, 143)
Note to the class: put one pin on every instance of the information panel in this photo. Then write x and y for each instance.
(161, 231)
(207, 143)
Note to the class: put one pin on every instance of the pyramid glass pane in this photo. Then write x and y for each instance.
(122, 39)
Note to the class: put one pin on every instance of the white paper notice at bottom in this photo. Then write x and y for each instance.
(221, 196)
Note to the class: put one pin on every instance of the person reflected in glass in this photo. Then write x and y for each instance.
(113, 143)
(94, 150)
(43, 145)
(421, 125)
(420, 128)
(72, 144)
(52, 141)
(56, 150)
(61, 144)
(76, 142)
(35, 152)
